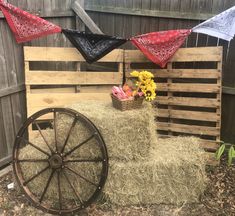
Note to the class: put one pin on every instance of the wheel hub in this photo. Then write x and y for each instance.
(56, 161)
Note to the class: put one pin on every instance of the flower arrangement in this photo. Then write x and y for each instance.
(143, 85)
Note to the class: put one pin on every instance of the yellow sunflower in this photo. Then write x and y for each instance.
(135, 73)
(150, 94)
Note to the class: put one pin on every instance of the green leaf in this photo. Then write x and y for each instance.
(230, 155)
(233, 152)
(220, 151)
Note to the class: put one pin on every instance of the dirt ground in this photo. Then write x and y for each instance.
(218, 200)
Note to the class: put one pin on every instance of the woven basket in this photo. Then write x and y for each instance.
(127, 104)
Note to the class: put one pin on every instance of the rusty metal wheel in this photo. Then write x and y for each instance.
(60, 160)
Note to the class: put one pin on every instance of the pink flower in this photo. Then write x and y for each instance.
(119, 93)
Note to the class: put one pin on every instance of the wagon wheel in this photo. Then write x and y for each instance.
(61, 163)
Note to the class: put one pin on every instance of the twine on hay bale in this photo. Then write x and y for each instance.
(174, 173)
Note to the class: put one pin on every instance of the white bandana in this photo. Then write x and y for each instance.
(220, 26)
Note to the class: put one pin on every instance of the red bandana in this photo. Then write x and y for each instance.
(159, 47)
(26, 26)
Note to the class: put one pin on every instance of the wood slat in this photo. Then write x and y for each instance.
(72, 78)
(62, 99)
(80, 89)
(11, 90)
(195, 54)
(81, 13)
(189, 129)
(184, 73)
(210, 159)
(190, 115)
(188, 87)
(209, 145)
(188, 101)
(65, 55)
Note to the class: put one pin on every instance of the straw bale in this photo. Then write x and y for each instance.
(127, 135)
(90, 171)
(173, 174)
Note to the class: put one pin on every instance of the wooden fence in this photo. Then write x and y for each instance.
(114, 17)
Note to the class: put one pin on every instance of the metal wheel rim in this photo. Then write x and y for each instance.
(17, 170)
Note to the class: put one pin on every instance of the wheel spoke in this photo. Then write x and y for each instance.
(68, 135)
(55, 130)
(59, 190)
(40, 131)
(47, 185)
(33, 160)
(82, 177)
(74, 190)
(36, 147)
(35, 176)
(79, 145)
(96, 160)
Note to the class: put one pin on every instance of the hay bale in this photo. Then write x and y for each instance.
(90, 171)
(127, 135)
(173, 174)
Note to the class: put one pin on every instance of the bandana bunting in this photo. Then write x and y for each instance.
(93, 46)
(159, 47)
(26, 26)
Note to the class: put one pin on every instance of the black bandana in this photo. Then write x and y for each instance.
(93, 46)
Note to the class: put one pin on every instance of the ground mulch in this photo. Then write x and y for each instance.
(218, 200)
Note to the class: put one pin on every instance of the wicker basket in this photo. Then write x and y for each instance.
(127, 104)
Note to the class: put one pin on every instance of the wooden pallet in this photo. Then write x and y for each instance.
(46, 88)
(189, 89)
(189, 92)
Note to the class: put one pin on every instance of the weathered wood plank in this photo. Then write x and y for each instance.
(5, 171)
(11, 90)
(85, 18)
(65, 55)
(8, 78)
(80, 89)
(48, 14)
(149, 13)
(211, 160)
(228, 90)
(185, 87)
(189, 129)
(72, 78)
(197, 54)
(184, 73)
(62, 99)
(188, 101)
(5, 160)
(190, 115)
